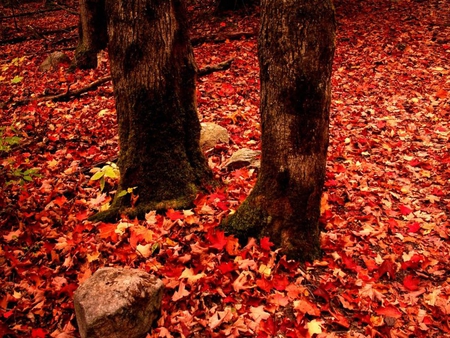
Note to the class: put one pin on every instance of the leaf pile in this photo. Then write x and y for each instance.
(385, 240)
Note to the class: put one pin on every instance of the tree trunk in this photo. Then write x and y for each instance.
(92, 31)
(296, 48)
(153, 73)
(226, 5)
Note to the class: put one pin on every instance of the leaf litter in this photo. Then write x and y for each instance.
(385, 239)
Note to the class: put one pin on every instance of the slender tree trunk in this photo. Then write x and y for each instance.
(153, 73)
(92, 33)
(296, 48)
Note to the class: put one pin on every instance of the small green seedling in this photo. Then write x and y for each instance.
(110, 170)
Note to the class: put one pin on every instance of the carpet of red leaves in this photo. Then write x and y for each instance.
(385, 210)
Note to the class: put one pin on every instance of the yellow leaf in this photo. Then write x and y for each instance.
(52, 164)
(144, 250)
(189, 275)
(121, 227)
(264, 270)
(314, 327)
(170, 242)
(93, 256)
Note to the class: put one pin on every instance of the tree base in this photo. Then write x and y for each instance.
(297, 241)
(84, 58)
(114, 213)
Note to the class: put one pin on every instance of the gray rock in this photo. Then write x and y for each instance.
(242, 158)
(53, 61)
(212, 134)
(117, 302)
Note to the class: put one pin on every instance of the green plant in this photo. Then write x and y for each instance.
(8, 138)
(10, 170)
(110, 170)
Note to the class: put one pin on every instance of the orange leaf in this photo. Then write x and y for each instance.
(305, 306)
(232, 245)
(108, 230)
(441, 93)
(180, 293)
(174, 214)
(60, 200)
(389, 311)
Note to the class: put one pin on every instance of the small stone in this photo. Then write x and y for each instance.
(117, 302)
(242, 158)
(212, 134)
(53, 61)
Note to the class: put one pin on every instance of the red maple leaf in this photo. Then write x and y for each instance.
(414, 227)
(226, 267)
(411, 283)
(280, 282)
(349, 263)
(389, 311)
(264, 284)
(405, 210)
(217, 239)
(38, 333)
(174, 214)
(388, 267)
(265, 243)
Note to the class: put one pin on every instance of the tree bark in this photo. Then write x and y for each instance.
(153, 73)
(92, 31)
(296, 48)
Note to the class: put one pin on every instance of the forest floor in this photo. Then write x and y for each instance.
(385, 268)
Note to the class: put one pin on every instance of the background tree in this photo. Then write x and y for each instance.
(92, 33)
(296, 48)
(224, 5)
(153, 73)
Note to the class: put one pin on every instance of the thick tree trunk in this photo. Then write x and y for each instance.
(153, 73)
(92, 33)
(296, 48)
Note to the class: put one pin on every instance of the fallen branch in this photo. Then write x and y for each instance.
(66, 8)
(93, 85)
(37, 35)
(211, 69)
(28, 13)
(78, 92)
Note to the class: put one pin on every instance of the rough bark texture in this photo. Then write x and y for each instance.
(153, 73)
(296, 48)
(117, 302)
(93, 35)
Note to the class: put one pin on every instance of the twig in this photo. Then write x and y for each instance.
(36, 33)
(23, 38)
(68, 94)
(76, 92)
(215, 68)
(16, 15)
(68, 10)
